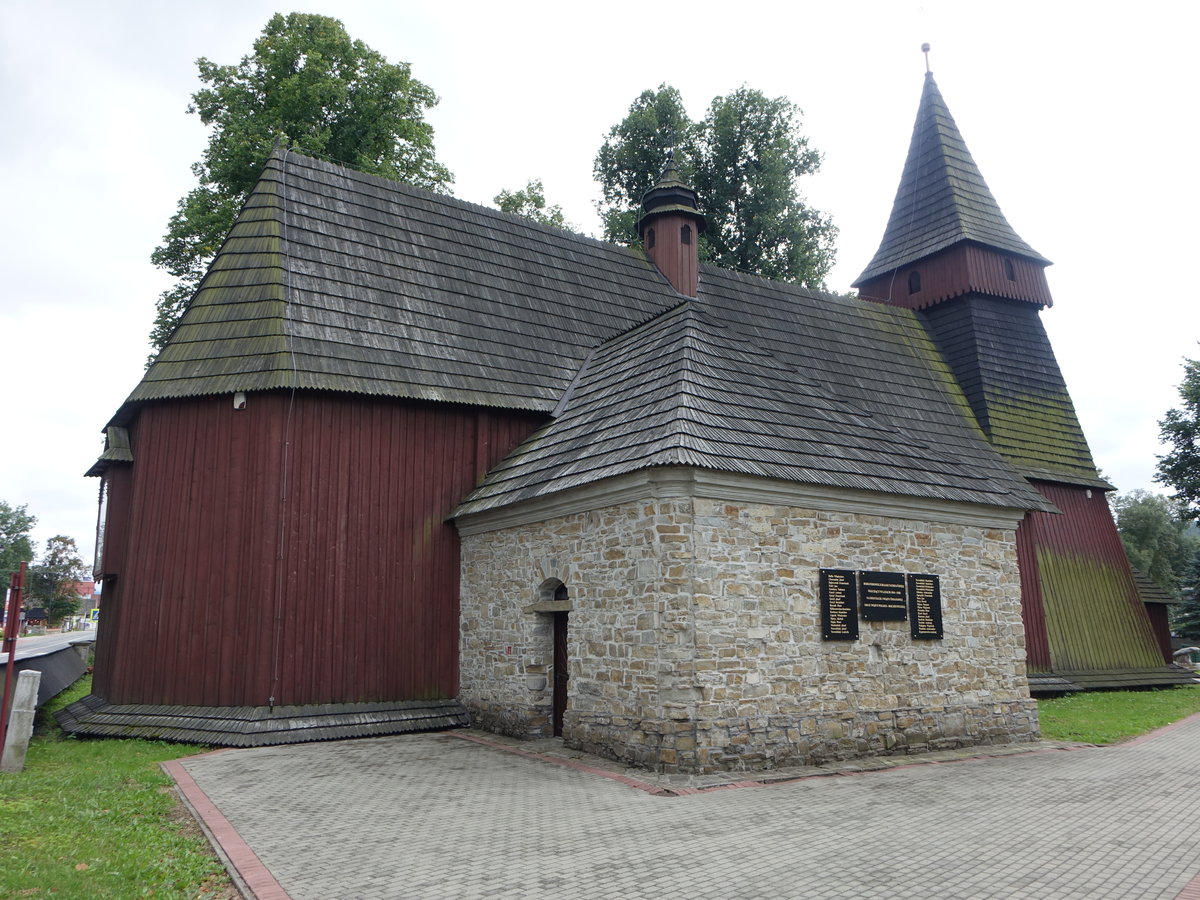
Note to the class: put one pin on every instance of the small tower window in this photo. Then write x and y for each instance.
(1009, 272)
(685, 234)
(649, 238)
(914, 282)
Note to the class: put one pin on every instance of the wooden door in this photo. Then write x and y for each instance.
(561, 675)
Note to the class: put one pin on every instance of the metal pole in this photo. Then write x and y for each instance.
(12, 624)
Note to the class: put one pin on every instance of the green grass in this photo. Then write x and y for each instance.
(1103, 717)
(98, 819)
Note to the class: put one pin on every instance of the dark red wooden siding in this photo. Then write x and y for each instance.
(295, 551)
(117, 484)
(958, 270)
(1033, 614)
(1082, 610)
(678, 262)
(1160, 624)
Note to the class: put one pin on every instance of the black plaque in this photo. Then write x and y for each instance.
(925, 607)
(882, 597)
(839, 605)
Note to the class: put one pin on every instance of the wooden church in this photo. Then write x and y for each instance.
(409, 463)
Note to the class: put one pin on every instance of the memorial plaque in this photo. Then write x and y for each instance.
(839, 605)
(882, 596)
(925, 607)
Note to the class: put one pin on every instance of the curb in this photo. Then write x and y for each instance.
(248, 872)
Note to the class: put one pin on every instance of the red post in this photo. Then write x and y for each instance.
(12, 625)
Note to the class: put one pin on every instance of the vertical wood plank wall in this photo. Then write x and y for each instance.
(1033, 613)
(118, 484)
(1081, 607)
(1160, 624)
(295, 551)
(959, 270)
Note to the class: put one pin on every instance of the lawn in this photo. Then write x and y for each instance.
(1103, 717)
(94, 819)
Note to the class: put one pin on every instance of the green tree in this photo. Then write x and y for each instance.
(530, 202)
(51, 581)
(1179, 429)
(1185, 618)
(1154, 529)
(15, 544)
(744, 159)
(750, 155)
(635, 153)
(309, 85)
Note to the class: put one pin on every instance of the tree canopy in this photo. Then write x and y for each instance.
(635, 153)
(51, 581)
(15, 544)
(1179, 469)
(744, 159)
(1154, 531)
(1185, 618)
(309, 85)
(530, 202)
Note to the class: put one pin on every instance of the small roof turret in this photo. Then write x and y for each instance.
(670, 194)
(669, 227)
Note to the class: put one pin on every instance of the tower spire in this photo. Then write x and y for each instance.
(944, 204)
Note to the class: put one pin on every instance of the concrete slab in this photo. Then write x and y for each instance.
(467, 815)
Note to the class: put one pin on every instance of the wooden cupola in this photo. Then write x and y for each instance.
(670, 228)
(947, 236)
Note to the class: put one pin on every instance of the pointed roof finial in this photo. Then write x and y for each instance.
(925, 50)
(671, 193)
(671, 171)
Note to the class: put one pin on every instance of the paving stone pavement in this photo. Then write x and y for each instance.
(437, 816)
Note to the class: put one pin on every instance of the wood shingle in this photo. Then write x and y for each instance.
(337, 281)
(942, 199)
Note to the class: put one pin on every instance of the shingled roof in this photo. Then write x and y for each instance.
(686, 390)
(337, 281)
(942, 199)
(1002, 358)
(1149, 591)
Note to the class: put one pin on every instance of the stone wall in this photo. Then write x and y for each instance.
(695, 635)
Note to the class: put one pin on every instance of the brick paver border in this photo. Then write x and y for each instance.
(255, 877)
(1191, 891)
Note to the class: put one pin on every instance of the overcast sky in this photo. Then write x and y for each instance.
(1082, 118)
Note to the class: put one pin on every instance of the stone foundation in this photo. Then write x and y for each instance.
(695, 635)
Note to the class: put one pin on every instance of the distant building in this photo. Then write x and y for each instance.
(88, 598)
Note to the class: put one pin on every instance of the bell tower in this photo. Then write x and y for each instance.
(949, 254)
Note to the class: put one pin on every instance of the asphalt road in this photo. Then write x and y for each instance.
(36, 645)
